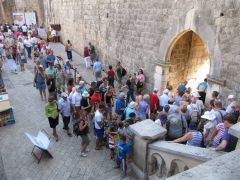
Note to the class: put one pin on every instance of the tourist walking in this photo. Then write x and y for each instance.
(140, 80)
(87, 57)
(60, 79)
(65, 110)
(97, 69)
(28, 46)
(92, 52)
(84, 130)
(51, 111)
(68, 49)
(21, 53)
(109, 102)
(99, 126)
(111, 76)
(40, 81)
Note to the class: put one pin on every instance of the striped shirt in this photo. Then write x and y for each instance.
(196, 139)
(218, 137)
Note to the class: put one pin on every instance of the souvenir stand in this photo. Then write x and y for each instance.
(6, 110)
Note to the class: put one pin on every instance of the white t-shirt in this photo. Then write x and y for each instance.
(97, 118)
(27, 42)
(76, 99)
(24, 28)
(33, 40)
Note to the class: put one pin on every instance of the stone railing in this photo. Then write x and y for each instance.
(220, 168)
(167, 159)
(154, 158)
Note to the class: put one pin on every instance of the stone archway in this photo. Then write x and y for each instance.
(188, 59)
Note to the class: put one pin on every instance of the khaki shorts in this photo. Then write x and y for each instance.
(98, 74)
(85, 139)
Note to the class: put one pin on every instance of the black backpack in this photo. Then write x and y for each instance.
(124, 72)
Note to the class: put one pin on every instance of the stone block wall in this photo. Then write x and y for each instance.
(132, 31)
(7, 7)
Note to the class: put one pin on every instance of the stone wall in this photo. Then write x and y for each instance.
(7, 7)
(138, 33)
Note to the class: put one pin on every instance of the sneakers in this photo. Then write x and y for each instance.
(87, 150)
(83, 154)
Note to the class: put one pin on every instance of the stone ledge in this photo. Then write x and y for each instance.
(198, 153)
(162, 63)
(235, 130)
(221, 168)
(147, 129)
(216, 80)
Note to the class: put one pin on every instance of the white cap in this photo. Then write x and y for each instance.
(155, 89)
(121, 94)
(64, 95)
(166, 91)
(231, 96)
(196, 94)
(132, 105)
(209, 116)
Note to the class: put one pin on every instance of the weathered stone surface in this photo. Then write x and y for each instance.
(198, 153)
(235, 130)
(147, 129)
(221, 168)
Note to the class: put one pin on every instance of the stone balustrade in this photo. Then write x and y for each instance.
(154, 158)
(167, 159)
(220, 168)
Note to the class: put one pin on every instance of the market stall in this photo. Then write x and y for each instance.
(6, 110)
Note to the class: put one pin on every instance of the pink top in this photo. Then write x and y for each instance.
(140, 78)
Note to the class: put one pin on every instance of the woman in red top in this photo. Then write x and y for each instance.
(86, 57)
(111, 76)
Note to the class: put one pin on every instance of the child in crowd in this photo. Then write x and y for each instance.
(122, 155)
(113, 135)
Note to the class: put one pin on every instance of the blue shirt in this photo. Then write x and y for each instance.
(122, 150)
(142, 110)
(204, 85)
(97, 66)
(120, 103)
(128, 112)
(181, 88)
(43, 62)
(51, 58)
(177, 100)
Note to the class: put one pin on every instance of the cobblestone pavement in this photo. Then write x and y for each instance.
(16, 149)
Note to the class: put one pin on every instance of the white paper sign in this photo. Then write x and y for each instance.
(18, 18)
(30, 18)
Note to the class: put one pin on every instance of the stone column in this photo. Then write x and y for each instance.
(235, 131)
(145, 132)
(160, 75)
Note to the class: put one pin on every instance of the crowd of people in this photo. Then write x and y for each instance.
(102, 106)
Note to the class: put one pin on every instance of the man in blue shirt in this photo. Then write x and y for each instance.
(51, 58)
(122, 155)
(97, 68)
(120, 104)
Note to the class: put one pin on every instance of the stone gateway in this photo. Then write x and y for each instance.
(171, 41)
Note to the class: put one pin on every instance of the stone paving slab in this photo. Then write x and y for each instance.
(16, 149)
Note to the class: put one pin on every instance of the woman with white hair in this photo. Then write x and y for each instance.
(143, 108)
